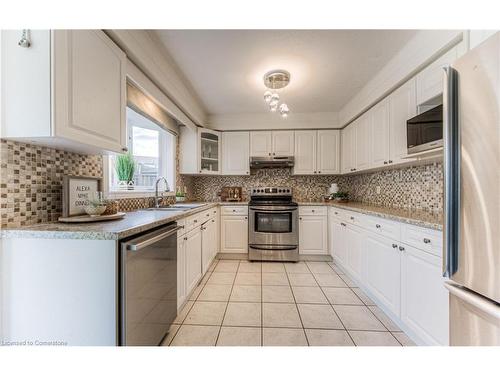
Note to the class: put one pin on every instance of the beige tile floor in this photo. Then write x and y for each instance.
(240, 303)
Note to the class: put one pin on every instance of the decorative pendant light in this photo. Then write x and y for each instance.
(275, 80)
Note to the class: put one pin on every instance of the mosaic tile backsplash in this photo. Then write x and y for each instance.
(31, 181)
(416, 187)
(31, 184)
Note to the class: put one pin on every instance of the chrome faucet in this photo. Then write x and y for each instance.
(167, 188)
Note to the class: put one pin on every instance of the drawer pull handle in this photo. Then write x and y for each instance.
(352, 217)
(426, 240)
(377, 225)
(312, 210)
(394, 246)
(343, 224)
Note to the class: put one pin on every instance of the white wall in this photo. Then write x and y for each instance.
(146, 51)
(268, 121)
(420, 51)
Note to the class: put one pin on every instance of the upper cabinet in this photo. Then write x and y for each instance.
(430, 80)
(328, 155)
(379, 135)
(200, 151)
(402, 106)
(317, 152)
(349, 148)
(74, 84)
(235, 153)
(272, 143)
(362, 138)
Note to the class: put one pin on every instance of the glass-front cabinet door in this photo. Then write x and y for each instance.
(209, 151)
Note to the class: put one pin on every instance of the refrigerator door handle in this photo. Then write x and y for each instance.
(451, 137)
(483, 304)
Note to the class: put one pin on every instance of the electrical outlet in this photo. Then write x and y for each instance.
(377, 189)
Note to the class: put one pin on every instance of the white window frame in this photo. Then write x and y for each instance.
(169, 153)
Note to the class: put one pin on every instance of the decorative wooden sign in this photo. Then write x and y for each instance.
(77, 190)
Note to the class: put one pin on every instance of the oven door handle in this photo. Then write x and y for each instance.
(280, 211)
(273, 247)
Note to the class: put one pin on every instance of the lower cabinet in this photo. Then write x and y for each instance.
(193, 241)
(424, 299)
(354, 244)
(208, 244)
(234, 234)
(405, 280)
(313, 234)
(181, 271)
(383, 270)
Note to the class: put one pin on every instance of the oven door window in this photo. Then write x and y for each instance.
(266, 222)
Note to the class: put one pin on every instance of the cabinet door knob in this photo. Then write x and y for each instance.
(426, 240)
(274, 153)
(401, 248)
(352, 217)
(377, 225)
(312, 210)
(315, 172)
(385, 162)
(394, 246)
(319, 171)
(124, 149)
(390, 161)
(300, 218)
(185, 238)
(196, 221)
(246, 218)
(269, 154)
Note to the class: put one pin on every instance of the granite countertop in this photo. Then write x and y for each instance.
(134, 222)
(420, 218)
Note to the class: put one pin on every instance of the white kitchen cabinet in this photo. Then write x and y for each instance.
(337, 240)
(362, 139)
(272, 143)
(402, 107)
(235, 153)
(424, 299)
(193, 245)
(328, 158)
(283, 142)
(313, 234)
(317, 152)
(430, 80)
(379, 135)
(181, 272)
(305, 152)
(476, 37)
(200, 151)
(72, 82)
(382, 270)
(261, 143)
(234, 232)
(348, 161)
(354, 243)
(208, 244)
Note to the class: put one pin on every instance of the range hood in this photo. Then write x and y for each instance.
(259, 162)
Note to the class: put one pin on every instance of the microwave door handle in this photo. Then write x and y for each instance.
(451, 138)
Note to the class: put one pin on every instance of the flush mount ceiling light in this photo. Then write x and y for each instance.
(275, 80)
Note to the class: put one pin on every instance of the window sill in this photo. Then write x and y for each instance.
(137, 194)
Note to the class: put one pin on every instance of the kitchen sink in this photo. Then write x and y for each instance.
(170, 208)
(187, 205)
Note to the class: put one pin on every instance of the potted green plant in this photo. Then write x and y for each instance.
(340, 196)
(180, 195)
(125, 168)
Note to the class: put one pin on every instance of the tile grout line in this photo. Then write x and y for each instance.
(296, 307)
(335, 312)
(227, 304)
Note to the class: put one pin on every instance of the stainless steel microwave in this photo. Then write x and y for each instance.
(425, 131)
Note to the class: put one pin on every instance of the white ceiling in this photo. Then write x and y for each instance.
(328, 67)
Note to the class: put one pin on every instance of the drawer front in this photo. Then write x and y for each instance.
(313, 210)
(206, 215)
(387, 228)
(235, 210)
(336, 213)
(193, 221)
(428, 240)
(355, 218)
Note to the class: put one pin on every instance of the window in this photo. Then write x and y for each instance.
(153, 151)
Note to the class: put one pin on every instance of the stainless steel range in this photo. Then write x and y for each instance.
(273, 225)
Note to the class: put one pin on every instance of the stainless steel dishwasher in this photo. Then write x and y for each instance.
(148, 283)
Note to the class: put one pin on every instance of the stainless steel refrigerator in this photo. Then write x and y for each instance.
(472, 194)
